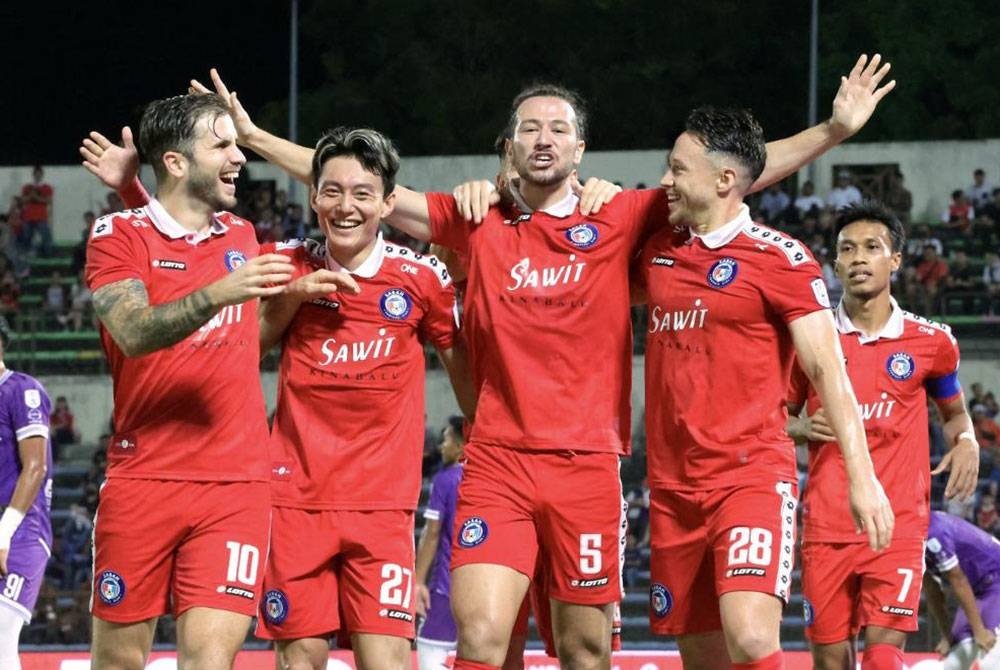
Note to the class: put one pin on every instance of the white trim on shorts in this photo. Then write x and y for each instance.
(786, 545)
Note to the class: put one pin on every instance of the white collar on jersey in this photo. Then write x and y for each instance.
(168, 225)
(892, 329)
(720, 237)
(368, 268)
(560, 210)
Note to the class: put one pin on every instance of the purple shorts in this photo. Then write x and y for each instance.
(989, 608)
(439, 626)
(25, 573)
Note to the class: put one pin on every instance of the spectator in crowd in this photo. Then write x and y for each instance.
(55, 299)
(921, 238)
(898, 198)
(808, 203)
(633, 562)
(962, 280)
(37, 203)
(990, 402)
(989, 214)
(774, 204)
(74, 547)
(935, 429)
(264, 226)
(976, 395)
(991, 280)
(960, 213)
(281, 202)
(114, 204)
(979, 192)
(10, 293)
(987, 430)
(987, 517)
(294, 222)
(834, 288)
(844, 193)
(63, 430)
(929, 277)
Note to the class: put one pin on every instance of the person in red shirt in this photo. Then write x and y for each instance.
(930, 273)
(175, 288)
(895, 361)
(36, 199)
(731, 302)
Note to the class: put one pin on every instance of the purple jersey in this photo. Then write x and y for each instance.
(441, 507)
(952, 541)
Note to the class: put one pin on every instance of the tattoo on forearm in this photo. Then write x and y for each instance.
(138, 328)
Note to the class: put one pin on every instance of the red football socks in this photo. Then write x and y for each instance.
(775, 661)
(882, 657)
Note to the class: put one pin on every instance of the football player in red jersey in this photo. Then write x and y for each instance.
(731, 303)
(895, 361)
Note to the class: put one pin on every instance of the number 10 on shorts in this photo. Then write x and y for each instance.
(244, 559)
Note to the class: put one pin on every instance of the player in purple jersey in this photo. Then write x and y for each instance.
(437, 635)
(969, 559)
(26, 495)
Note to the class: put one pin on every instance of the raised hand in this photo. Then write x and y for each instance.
(116, 166)
(859, 95)
(245, 126)
(321, 282)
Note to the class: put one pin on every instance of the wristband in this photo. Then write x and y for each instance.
(9, 522)
(967, 435)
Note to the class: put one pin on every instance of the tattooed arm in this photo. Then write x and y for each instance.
(140, 328)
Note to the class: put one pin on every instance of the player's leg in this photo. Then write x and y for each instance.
(432, 654)
(890, 601)
(704, 651)
(209, 638)
(308, 653)
(485, 599)
(381, 652)
(117, 646)
(437, 636)
(10, 631)
(883, 649)
(19, 591)
(583, 634)
(830, 586)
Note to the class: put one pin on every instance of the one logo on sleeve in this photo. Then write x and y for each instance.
(723, 272)
(102, 227)
(32, 398)
(900, 366)
(395, 304)
(582, 236)
(234, 259)
(275, 607)
(660, 600)
(474, 532)
(110, 587)
(819, 292)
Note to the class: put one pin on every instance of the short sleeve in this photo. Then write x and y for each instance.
(439, 325)
(941, 556)
(448, 228)
(112, 252)
(31, 411)
(942, 383)
(794, 285)
(437, 504)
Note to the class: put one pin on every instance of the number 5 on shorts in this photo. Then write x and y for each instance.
(590, 553)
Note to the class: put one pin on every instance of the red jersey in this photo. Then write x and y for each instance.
(547, 321)
(194, 410)
(349, 428)
(719, 353)
(35, 211)
(892, 373)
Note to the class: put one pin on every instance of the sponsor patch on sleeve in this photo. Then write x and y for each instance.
(819, 292)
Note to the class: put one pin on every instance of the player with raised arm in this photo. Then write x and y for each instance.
(968, 559)
(26, 496)
(895, 361)
(731, 303)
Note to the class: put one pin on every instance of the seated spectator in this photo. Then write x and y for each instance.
(959, 214)
(844, 193)
(989, 214)
(61, 422)
(81, 301)
(808, 203)
(898, 198)
(990, 403)
(976, 395)
(991, 280)
(929, 277)
(987, 517)
(961, 279)
(979, 192)
(774, 204)
(987, 431)
(55, 299)
(264, 226)
(921, 238)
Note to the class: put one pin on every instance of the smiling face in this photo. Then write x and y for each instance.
(350, 202)
(690, 181)
(865, 259)
(214, 162)
(545, 148)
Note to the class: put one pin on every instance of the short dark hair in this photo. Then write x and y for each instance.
(546, 90)
(730, 131)
(957, 193)
(978, 171)
(457, 424)
(171, 125)
(376, 153)
(876, 212)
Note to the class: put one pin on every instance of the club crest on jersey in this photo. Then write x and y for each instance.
(32, 398)
(474, 532)
(723, 272)
(110, 587)
(234, 259)
(582, 236)
(900, 366)
(395, 304)
(275, 607)
(660, 600)
(807, 612)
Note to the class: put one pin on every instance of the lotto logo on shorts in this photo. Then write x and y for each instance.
(275, 607)
(399, 615)
(110, 587)
(474, 532)
(660, 600)
(900, 366)
(898, 611)
(807, 612)
(723, 272)
(234, 259)
(582, 236)
(395, 304)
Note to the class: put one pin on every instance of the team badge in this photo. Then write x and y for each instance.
(582, 236)
(110, 587)
(275, 607)
(660, 600)
(474, 532)
(900, 366)
(395, 304)
(807, 612)
(723, 272)
(32, 398)
(234, 259)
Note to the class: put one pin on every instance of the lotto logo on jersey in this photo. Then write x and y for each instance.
(110, 587)
(723, 272)
(660, 600)
(395, 304)
(900, 366)
(275, 607)
(582, 236)
(234, 259)
(474, 532)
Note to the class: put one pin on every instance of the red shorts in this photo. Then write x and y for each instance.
(353, 573)
(706, 543)
(562, 508)
(167, 546)
(847, 585)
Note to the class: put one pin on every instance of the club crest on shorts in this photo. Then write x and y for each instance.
(807, 612)
(474, 532)
(660, 600)
(582, 236)
(275, 607)
(395, 304)
(234, 259)
(723, 272)
(110, 587)
(900, 366)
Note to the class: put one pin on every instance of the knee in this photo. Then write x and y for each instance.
(482, 637)
(103, 658)
(752, 642)
(579, 652)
